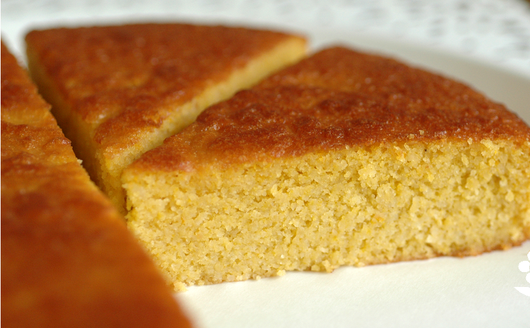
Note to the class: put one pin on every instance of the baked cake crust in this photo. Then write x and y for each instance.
(67, 258)
(118, 91)
(335, 99)
(342, 159)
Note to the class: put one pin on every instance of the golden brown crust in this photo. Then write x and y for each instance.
(125, 91)
(19, 96)
(67, 258)
(335, 99)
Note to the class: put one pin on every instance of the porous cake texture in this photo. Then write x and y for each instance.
(118, 91)
(345, 158)
(67, 257)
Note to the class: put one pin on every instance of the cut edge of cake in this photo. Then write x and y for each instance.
(259, 220)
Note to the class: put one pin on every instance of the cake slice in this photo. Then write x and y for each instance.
(118, 91)
(67, 257)
(345, 158)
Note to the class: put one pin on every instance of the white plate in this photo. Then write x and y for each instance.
(444, 292)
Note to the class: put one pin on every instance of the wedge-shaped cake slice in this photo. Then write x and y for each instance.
(118, 91)
(68, 259)
(343, 159)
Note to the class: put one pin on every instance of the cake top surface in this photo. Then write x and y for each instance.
(25, 113)
(67, 257)
(335, 99)
(125, 80)
(20, 100)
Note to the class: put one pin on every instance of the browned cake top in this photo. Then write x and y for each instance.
(20, 100)
(67, 258)
(125, 77)
(334, 99)
(29, 132)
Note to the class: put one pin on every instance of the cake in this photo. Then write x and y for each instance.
(68, 259)
(344, 158)
(118, 91)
